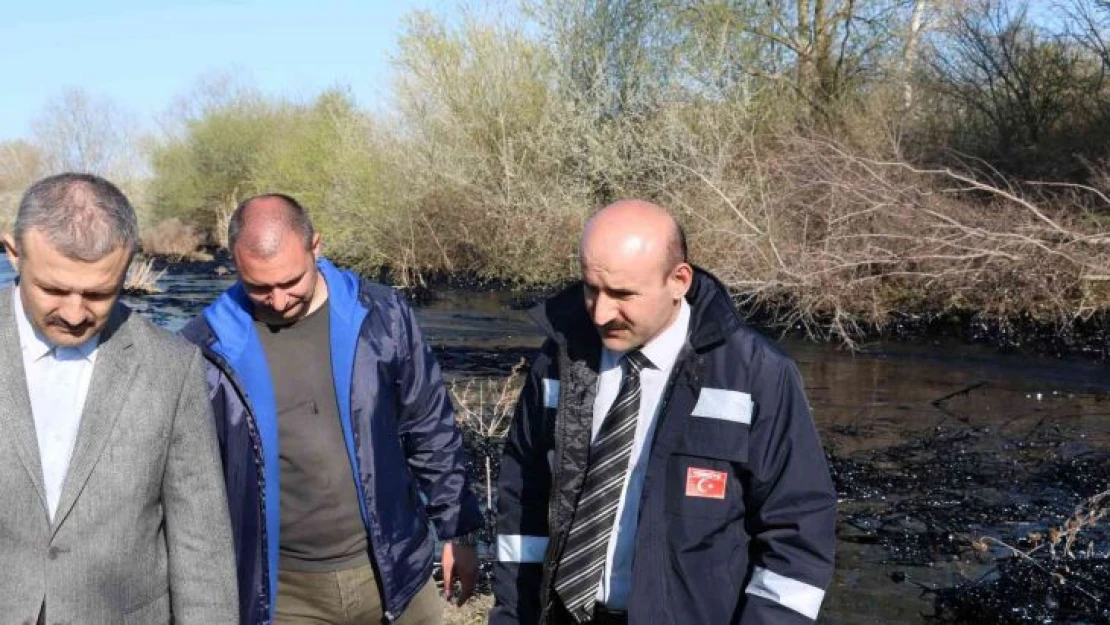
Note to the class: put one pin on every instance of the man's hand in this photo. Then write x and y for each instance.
(459, 563)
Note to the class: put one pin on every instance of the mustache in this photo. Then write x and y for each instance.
(58, 322)
(614, 326)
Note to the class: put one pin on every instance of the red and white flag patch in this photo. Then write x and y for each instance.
(706, 483)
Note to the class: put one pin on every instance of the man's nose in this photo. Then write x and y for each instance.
(72, 310)
(279, 300)
(603, 311)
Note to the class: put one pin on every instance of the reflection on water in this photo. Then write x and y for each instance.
(474, 319)
(931, 446)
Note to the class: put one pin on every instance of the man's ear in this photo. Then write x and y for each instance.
(682, 277)
(316, 245)
(12, 250)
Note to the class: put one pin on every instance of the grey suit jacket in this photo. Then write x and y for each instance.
(141, 533)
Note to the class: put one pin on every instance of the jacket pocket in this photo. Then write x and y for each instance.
(155, 611)
(702, 472)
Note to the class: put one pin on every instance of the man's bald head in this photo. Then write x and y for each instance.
(637, 226)
(634, 273)
(275, 251)
(260, 224)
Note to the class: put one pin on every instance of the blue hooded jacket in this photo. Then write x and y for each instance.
(399, 427)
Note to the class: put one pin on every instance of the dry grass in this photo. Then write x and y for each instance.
(1086, 516)
(485, 406)
(1060, 540)
(142, 278)
(472, 613)
(176, 240)
(837, 237)
(846, 238)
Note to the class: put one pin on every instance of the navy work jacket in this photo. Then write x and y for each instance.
(738, 511)
(398, 425)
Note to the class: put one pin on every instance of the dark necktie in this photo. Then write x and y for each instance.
(583, 558)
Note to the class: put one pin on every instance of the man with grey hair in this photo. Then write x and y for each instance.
(114, 507)
(338, 438)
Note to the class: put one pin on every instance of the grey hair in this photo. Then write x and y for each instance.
(265, 242)
(83, 216)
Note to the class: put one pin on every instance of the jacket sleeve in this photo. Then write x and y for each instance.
(244, 487)
(218, 391)
(198, 529)
(792, 507)
(524, 489)
(432, 440)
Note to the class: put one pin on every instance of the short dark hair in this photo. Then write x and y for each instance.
(83, 216)
(294, 218)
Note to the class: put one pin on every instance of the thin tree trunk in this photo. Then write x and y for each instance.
(489, 484)
(910, 53)
(803, 37)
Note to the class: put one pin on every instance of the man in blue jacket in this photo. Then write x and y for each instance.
(662, 465)
(338, 439)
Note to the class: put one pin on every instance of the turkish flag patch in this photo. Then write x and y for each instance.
(705, 483)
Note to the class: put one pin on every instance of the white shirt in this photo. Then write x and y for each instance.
(662, 351)
(57, 382)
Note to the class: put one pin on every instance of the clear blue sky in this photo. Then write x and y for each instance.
(142, 53)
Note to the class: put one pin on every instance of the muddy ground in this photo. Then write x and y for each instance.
(949, 463)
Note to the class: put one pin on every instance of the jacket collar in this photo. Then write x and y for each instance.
(232, 310)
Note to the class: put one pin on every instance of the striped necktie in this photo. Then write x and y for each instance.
(583, 559)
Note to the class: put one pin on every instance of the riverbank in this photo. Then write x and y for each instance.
(1085, 337)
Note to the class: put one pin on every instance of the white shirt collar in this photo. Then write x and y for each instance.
(34, 344)
(662, 350)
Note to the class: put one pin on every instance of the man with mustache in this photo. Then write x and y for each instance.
(662, 465)
(113, 507)
(338, 439)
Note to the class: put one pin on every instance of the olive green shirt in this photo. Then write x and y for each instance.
(321, 522)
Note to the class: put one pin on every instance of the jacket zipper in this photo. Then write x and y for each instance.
(256, 441)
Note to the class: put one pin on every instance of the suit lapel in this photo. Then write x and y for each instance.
(112, 376)
(17, 424)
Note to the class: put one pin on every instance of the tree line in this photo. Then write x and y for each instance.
(836, 161)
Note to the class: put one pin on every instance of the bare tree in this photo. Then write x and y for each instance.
(1090, 27)
(20, 164)
(828, 46)
(208, 95)
(1015, 90)
(909, 53)
(616, 55)
(78, 132)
